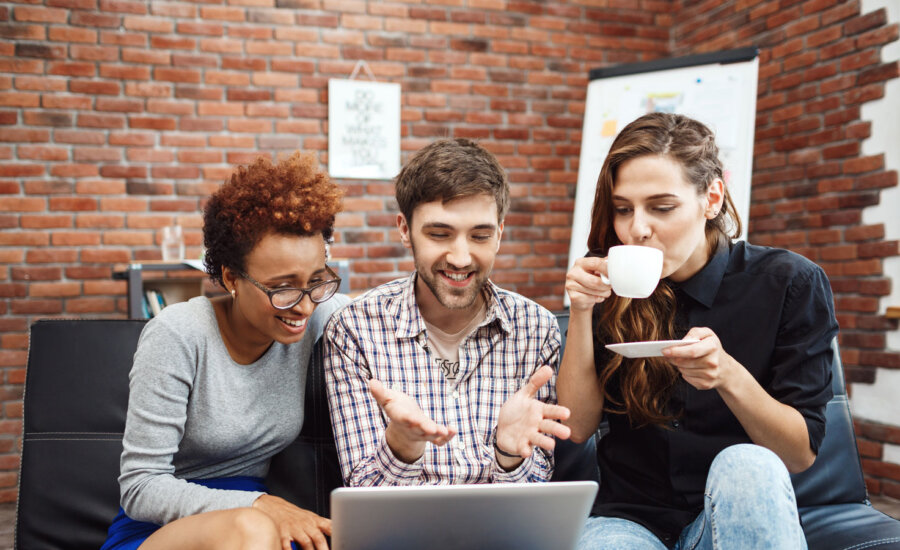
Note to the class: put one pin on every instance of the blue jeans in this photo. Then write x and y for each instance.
(749, 504)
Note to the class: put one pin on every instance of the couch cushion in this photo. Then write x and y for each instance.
(76, 395)
(849, 527)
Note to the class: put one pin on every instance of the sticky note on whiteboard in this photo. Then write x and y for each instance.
(609, 128)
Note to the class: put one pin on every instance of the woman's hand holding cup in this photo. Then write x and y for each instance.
(586, 283)
(630, 271)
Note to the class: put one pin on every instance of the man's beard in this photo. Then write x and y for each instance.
(448, 296)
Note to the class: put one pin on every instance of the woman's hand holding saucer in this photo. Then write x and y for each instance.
(704, 365)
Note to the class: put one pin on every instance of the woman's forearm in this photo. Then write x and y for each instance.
(769, 423)
(577, 386)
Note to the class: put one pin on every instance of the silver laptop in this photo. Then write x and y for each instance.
(520, 516)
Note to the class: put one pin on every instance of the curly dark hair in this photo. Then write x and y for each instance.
(293, 197)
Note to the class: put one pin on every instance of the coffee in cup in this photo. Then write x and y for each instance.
(634, 271)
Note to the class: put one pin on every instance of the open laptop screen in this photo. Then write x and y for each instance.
(495, 516)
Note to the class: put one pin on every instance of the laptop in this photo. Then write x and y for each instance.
(520, 516)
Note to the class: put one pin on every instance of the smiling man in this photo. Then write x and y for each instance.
(442, 377)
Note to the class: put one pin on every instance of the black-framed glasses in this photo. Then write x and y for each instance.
(286, 298)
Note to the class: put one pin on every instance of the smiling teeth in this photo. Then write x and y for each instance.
(457, 276)
(293, 323)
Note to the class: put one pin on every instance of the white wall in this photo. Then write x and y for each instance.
(878, 402)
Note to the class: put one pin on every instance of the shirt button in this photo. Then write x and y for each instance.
(455, 394)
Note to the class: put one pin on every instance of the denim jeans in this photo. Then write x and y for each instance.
(749, 504)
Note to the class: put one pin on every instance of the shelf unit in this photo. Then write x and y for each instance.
(178, 282)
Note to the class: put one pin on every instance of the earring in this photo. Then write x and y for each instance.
(233, 294)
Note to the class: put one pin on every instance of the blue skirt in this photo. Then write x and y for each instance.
(127, 534)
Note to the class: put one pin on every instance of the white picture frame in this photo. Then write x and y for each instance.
(363, 129)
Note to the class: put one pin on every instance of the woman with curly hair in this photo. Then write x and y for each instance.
(217, 385)
(697, 444)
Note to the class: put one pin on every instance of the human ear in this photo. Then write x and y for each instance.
(229, 279)
(403, 227)
(715, 198)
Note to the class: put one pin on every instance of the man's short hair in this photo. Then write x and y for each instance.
(450, 169)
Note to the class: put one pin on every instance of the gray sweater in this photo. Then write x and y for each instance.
(194, 413)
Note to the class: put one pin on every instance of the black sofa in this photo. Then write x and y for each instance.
(76, 396)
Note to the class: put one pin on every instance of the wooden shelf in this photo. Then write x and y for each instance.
(893, 312)
(177, 282)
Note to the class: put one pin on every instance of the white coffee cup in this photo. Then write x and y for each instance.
(634, 271)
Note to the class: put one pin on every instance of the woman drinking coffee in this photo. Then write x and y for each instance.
(698, 443)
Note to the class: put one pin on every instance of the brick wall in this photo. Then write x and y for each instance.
(819, 62)
(117, 117)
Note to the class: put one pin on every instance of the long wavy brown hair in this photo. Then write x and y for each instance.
(646, 384)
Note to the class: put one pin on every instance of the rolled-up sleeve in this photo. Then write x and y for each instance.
(802, 357)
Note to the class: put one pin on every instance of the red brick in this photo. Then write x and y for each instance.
(131, 239)
(878, 37)
(124, 72)
(13, 290)
(133, 7)
(75, 238)
(80, 306)
(127, 204)
(151, 123)
(133, 139)
(149, 57)
(54, 290)
(43, 256)
(149, 154)
(45, 222)
(840, 12)
(73, 203)
(99, 221)
(204, 29)
(36, 273)
(884, 72)
(103, 286)
(72, 34)
(105, 255)
(863, 164)
(865, 22)
(177, 75)
(881, 469)
(39, 14)
(878, 250)
(878, 180)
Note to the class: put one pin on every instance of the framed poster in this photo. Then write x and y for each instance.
(718, 89)
(363, 129)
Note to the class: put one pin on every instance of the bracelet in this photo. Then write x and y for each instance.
(501, 452)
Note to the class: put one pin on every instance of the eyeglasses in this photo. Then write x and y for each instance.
(286, 298)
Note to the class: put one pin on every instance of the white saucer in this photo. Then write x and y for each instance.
(652, 348)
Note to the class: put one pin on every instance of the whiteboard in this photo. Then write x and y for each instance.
(718, 89)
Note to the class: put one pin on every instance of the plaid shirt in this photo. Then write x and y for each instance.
(382, 335)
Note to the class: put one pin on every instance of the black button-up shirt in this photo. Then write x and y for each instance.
(773, 312)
